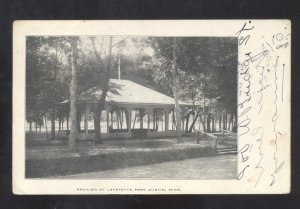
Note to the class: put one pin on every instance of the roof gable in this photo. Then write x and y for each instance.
(127, 92)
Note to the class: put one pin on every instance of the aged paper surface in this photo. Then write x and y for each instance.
(263, 109)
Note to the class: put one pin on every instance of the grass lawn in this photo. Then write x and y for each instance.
(46, 158)
(46, 149)
(204, 168)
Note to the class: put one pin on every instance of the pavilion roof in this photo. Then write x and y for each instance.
(127, 92)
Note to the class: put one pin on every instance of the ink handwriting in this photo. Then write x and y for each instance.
(244, 38)
(258, 133)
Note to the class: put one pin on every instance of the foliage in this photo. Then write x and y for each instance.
(206, 67)
(203, 62)
(46, 75)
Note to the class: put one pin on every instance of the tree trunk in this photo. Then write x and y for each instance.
(78, 119)
(154, 119)
(52, 127)
(67, 122)
(175, 90)
(73, 92)
(230, 122)
(226, 123)
(35, 127)
(135, 116)
(59, 123)
(208, 122)
(220, 122)
(121, 119)
(199, 124)
(98, 113)
(193, 123)
(173, 120)
(101, 102)
(112, 119)
(157, 120)
(202, 121)
(213, 123)
(54, 94)
(204, 114)
(97, 126)
(46, 126)
(30, 126)
(187, 122)
(223, 122)
(234, 128)
(127, 119)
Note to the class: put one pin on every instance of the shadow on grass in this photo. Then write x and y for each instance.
(55, 159)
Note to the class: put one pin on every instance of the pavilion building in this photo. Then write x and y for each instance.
(131, 111)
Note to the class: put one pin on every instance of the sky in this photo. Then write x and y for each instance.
(129, 46)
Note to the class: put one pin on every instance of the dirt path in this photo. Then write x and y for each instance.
(217, 167)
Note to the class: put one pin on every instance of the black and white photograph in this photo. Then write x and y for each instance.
(131, 107)
(152, 107)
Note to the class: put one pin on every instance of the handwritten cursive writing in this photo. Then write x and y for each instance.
(244, 38)
(258, 133)
(260, 69)
(277, 167)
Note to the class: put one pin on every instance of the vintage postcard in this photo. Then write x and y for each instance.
(151, 107)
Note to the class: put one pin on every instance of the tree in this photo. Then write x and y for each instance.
(35, 61)
(175, 90)
(73, 93)
(45, 76)
(212, 60)
(104, 83)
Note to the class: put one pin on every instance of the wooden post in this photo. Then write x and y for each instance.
(126, 118)
(166, 119)
(148, 119)
(129, 120)
(117, 119)
(142, 111)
